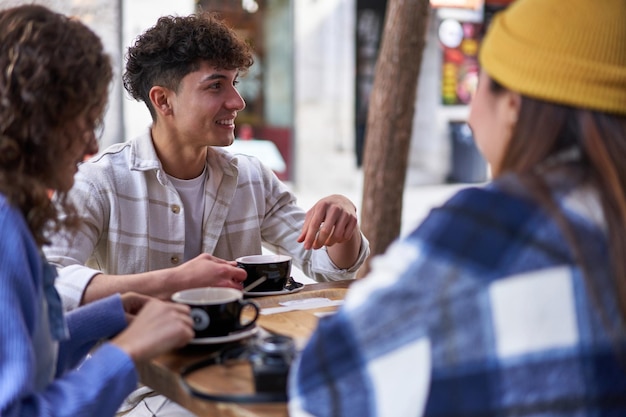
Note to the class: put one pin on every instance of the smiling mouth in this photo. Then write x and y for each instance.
(227, 122)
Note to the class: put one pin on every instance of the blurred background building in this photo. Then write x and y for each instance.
(308, 90)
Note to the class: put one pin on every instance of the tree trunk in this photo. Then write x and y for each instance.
(390, 121)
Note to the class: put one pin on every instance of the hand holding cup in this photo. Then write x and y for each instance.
(158, 327)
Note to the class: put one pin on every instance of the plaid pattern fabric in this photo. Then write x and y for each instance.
(134, 218)
(481, 311)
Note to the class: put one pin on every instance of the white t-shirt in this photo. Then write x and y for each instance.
(192, 193)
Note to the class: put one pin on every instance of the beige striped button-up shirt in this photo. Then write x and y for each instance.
(134, 218)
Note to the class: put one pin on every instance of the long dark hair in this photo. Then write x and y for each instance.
(545, 130)
(54, 73)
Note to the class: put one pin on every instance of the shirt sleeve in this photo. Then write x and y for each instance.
(88, 325)
(69, 253)
(323, 268)
(72, 282)
(97, 388)
(282, 225)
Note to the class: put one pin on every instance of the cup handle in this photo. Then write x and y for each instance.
(252, 321)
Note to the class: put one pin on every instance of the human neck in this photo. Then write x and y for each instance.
(178, 160)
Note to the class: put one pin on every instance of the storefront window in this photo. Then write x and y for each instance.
(268, 86)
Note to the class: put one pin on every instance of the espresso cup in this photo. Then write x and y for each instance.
(275, 268)
(217, 311)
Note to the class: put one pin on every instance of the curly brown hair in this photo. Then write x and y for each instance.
(176, 46)
(54, 75)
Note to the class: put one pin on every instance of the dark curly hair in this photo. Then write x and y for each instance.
(176, 46)
(54, 75)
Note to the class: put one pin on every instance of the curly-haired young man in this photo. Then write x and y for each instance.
(171, 209)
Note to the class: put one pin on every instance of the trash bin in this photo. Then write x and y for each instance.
(467, 164)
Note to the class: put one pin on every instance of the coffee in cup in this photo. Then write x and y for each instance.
(218, 311)
(275, 268)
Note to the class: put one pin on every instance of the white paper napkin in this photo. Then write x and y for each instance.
(302, 304)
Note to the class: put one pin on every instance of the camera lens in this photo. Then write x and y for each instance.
(271, 362)
(276, 344)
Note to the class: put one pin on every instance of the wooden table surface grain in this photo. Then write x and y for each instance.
(163, 374)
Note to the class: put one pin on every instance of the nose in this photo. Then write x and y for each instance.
(236, 102)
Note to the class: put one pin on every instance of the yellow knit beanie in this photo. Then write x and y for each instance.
(570, 52)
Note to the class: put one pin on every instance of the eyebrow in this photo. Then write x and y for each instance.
(217, 76)
(212, 77)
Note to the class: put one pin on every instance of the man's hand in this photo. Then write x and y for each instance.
(209, 271)
(330, 221)
(202, 271)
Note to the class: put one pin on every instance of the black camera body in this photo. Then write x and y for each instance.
(271, 359)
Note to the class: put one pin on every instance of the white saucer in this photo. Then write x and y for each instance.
(297, 286)
(225, 339)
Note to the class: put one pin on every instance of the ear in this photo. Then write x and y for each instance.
(161, 100)
(511, 103)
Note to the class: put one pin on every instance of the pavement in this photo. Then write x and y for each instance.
(343, 177)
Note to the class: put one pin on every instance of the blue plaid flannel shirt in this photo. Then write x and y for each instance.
(481, 311)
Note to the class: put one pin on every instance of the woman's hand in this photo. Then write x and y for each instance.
(133, 302)
(158, 327)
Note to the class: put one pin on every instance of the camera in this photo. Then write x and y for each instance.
(271, 359)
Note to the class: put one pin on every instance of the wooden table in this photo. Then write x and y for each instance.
(163, 373)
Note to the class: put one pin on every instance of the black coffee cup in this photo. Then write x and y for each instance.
(275, 268)
(216, 311)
